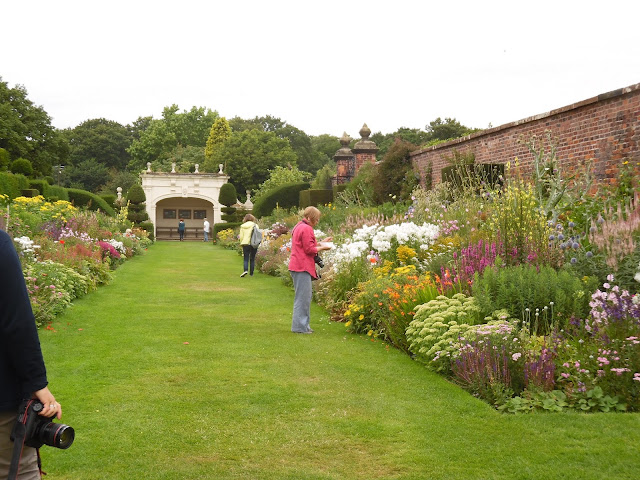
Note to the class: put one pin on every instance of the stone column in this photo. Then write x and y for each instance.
(345, 161)
(365, 150)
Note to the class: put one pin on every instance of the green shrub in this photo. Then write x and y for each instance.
(12, 184)
(83, 198)
(55, 193)
(285, 196)
(137, 211)
(148, 227)
(136, 194)
(315, 197)
(524, 289)
(41, 185)
(228, 195)
(29, 192)
(22, 166)
(229, 214)
(109, 198)
(5, 159)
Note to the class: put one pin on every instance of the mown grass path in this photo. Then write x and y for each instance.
(247, 399)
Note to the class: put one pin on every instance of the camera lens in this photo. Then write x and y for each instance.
(57, 435)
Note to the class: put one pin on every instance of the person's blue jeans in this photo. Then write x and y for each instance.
(206, 236)
(302, 302)
(249, 254)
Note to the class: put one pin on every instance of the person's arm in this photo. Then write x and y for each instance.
(18, 332)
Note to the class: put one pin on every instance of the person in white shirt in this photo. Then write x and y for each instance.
(206, 230)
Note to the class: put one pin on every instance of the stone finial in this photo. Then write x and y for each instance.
(173, 167)
(119, 190)
(148, 167)
(365, 132)
(197, 167)
(220, 167)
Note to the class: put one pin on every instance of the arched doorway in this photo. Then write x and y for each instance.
(192, 210)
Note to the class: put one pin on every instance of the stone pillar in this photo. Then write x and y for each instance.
(365, 150)
(345, 161)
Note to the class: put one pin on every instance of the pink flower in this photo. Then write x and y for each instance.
(565, 375)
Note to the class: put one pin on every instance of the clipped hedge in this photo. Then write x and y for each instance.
(83, 198)
(284, 196)
(12, 184)
(218, 227)
(315, 197)
(41, 185)
(55, 193)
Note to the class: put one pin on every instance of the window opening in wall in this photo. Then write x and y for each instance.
(169, 213)
(185, 214)
(199, 214)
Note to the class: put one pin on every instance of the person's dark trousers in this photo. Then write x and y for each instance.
(249, 254)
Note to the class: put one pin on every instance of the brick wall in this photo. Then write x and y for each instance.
(604, 129)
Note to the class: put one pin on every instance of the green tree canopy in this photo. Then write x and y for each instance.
(249, 155)
(219, 133)
(88, 175)
(104, 140)
(22, 166)
(280, 176)
(161, 138)
(26, 131)
(447, 129)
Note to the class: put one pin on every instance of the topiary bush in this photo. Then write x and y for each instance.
(228, 195)
(137, 211)
(22, 166)
(285, 196)
(55, 193)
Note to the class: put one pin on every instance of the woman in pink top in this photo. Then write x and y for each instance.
(303, 269)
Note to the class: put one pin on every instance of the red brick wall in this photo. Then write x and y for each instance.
(604, 129)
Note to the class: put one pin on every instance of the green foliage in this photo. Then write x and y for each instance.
(218, 227)
(55, 193)
(136, 194)
(284, 196)
(324, 176)
(524, 290)
(360, 190)
(110, 199)
(220, 132)
(315, 197)
(161, 137)
(100, 139)
(448, 129)
(280, 176)
(86, 175)
(5, 159)
(30, 192)
(438, 325)
(41, 185)
(21, 166)
(147, 227)
(395, 175)
(26, 131)
(12, 185)
(83, 198)
(228, 195)
(249, 155)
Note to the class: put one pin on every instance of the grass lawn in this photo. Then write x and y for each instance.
(180, 369)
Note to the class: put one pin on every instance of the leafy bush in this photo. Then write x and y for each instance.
(315, 197)
(527, 290)
(284, 196)
(21, 166)
(12, 184)
(41, 185)
(55, 193)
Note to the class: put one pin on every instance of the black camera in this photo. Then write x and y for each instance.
(318, 261)
(38, 430)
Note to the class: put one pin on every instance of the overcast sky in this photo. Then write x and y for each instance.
(322, 66)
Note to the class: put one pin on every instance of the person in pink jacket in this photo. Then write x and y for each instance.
(303, 269)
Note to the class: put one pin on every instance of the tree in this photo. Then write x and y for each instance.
(250, 155)
(163, 136)
(88, 175)
(26, 131)
(219, 133)
(281, 176)
(299, 141)
(447, 129)
(104, 140)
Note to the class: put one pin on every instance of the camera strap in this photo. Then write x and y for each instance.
(18, 435)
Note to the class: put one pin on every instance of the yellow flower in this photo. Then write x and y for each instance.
(370, 332)
(361, 317)
(348, 324)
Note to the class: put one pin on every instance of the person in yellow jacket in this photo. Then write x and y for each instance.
(248, 252)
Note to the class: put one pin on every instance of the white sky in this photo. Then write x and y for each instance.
(322, 66)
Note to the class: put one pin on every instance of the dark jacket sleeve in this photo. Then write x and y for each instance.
(22, 369)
